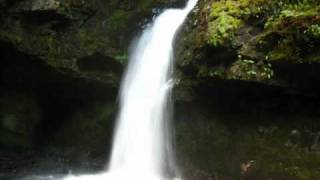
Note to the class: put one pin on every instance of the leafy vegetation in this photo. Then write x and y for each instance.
(313, 31)
(246, 69)
(222, 28)
(227, 16)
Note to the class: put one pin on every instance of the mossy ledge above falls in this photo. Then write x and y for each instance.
(247, 101)
(274, 43)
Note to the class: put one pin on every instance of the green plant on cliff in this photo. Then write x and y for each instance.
(121, 58)
(223, 22)
(242, 9)
(226, 16)
(313, 31)
(222, 28)
(299, 14)
(292, 28)
(247, 69)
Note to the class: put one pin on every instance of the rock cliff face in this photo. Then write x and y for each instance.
(61, 65)
(89, 39)
(248, 90)
(246, 96)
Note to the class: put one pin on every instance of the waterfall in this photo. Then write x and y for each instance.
(142, 148)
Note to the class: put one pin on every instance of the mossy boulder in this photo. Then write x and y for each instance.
(249, 40)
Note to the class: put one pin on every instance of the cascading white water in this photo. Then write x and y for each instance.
(142, 147)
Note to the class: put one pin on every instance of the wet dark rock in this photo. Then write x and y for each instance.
(61, 33)
(37, 103)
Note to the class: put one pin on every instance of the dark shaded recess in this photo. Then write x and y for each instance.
(59, 95)
(189, 71)
(241, 96)
(258, 22)
(248, 98)
(273, 40)
(301, 78)
(308, 46)
(219, 55)
(8, 3)
(43, 17)
(99, 62)
(30, 19)
(244, 107)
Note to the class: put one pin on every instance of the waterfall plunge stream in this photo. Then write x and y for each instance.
(142, 143)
